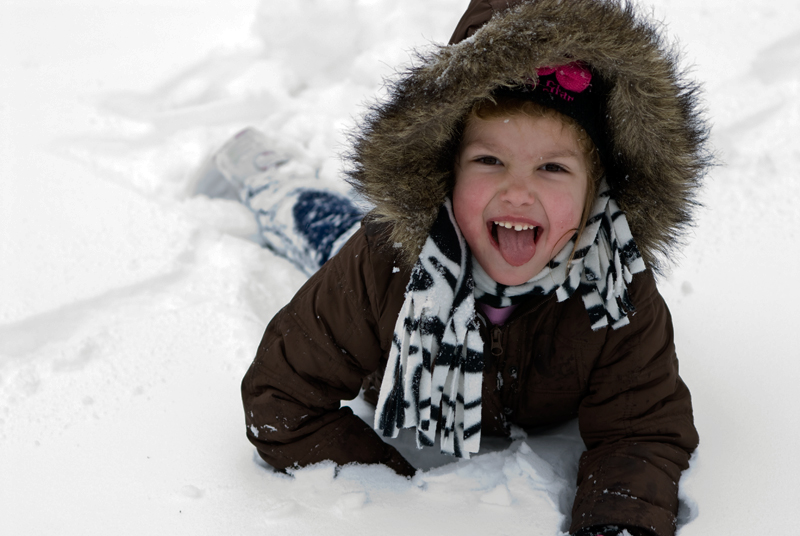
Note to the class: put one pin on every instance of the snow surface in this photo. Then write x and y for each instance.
(130, 308)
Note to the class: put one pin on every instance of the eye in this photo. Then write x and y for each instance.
(553, 168)
(488, 160)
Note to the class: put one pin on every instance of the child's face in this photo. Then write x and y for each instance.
(523, 171)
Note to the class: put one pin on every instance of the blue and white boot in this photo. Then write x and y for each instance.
(296, 218)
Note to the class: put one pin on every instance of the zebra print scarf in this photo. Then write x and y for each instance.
(434, 374)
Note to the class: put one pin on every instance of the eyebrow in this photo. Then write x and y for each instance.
(561, 154)
(482, 143)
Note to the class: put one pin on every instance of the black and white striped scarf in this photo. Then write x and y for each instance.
(434, 373)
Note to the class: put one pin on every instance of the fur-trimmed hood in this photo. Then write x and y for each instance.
(404, 150)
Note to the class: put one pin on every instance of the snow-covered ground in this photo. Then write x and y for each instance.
(130, 307)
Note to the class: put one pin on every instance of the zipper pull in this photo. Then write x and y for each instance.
(497, 348)
(497, 351)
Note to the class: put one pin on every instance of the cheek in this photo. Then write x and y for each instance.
(468, 204)
(463, 213)
(566, 210)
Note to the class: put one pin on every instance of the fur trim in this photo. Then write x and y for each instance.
(404, 149)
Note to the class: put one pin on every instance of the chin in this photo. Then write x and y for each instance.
(512, 282)
(511, 278)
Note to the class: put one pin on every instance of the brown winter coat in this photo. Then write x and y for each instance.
(634, 411)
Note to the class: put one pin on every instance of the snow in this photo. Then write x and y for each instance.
(130, 308)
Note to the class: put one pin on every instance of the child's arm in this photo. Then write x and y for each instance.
(637, 423)
(316, 352)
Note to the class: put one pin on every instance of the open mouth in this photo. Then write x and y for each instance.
(515, 241)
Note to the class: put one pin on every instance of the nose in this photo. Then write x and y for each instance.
(518, 190)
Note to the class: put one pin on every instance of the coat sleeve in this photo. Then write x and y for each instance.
(636, 421)
(315, 353)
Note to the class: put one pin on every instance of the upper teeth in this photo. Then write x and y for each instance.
(515, 226)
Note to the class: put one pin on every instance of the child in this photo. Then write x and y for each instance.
(526, 180)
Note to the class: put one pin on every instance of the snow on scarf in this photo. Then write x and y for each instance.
(434, 373)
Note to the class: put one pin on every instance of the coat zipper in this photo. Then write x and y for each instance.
(508, 396)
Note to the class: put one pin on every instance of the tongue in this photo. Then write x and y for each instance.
(516, 247)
